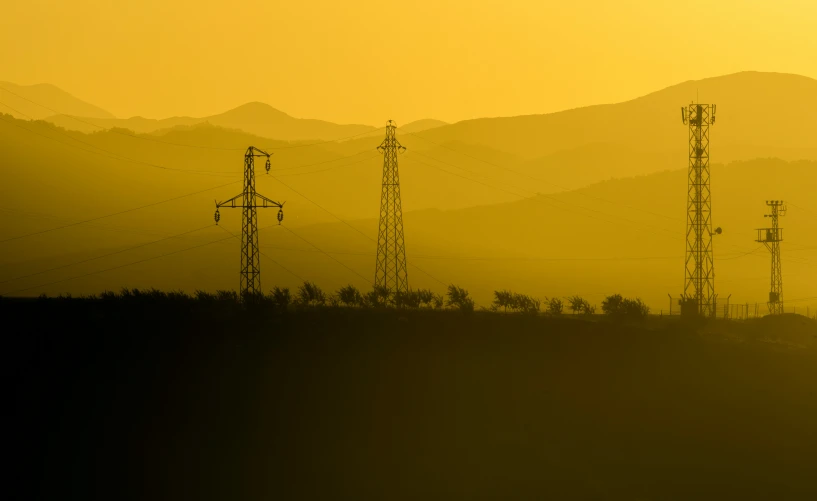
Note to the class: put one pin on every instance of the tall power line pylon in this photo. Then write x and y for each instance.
(249, 201)
(699, 279)
(771, 238)
(390, 269)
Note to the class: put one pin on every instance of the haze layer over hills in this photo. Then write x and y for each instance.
(587, 201)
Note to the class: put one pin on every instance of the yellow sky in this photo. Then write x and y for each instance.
(365, 61)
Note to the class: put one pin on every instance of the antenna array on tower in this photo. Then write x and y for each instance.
(699, 274)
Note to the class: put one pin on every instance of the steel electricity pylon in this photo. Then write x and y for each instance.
(699, 277)
(771, 238)
(249, 201)
(390, 269)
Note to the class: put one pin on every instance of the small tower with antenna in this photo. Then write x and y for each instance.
(771, 238)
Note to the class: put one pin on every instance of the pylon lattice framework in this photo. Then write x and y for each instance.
(249, 200)
(390, 269)
(771, 238)
(699, 278)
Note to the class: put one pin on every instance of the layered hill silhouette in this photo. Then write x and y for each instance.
(18, 100)
(483, 209)
(254, 118)
(623, 235)
(759, 114)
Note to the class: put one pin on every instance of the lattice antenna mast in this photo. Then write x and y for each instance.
(771, 238)
(249, 201)
(699, 278)
(390, 269)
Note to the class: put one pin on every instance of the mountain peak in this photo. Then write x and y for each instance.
(48, 98)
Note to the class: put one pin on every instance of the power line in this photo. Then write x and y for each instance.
(325, 142)
(541, 194)
(537, 179)
(116, 267)
(104, 255)
(322, 208)
(356, 230)
(268, 257)
(328, 255)
(117, 213)
(550, 197)
(801, 208)
(105, 227)
(327, 169)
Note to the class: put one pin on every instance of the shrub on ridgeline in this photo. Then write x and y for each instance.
(437, 301)
(459, 299)
(555, 306)
(426, 298)
(227, 296)
(408, 299)
(506, 300)
(349, 296)
(378, 297)
(502, 300)
(576, 304)
(620, 308)
(280, 298)
(526, 304)
(310, 294)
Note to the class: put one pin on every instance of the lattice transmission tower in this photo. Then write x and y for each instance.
(699, 280)
(771, 238)
(249, 201)
(390, 269)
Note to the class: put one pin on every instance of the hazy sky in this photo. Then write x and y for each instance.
(366, 61)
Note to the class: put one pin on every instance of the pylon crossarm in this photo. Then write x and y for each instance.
(266, 202)
(257, 152)
(231, 202)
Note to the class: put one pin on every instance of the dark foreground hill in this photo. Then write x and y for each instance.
(144, 401)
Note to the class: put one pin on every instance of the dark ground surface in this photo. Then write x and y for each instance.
(144, 402)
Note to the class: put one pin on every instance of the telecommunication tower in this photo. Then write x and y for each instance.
(249, 201)
(699, 280)
(771, 238)
(390, 269)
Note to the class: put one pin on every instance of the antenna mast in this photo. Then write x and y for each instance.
(699, 279)
(249, 201)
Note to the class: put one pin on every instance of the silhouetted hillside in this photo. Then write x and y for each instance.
(46, 95)
(759, 115)
(140, 399)
(253, 118)
(421, 125)
(569, 149)
(621, 236)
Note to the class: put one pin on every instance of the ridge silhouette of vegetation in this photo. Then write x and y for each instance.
(168, 395)
(310, 296)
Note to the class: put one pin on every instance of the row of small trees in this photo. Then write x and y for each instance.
(311, 295)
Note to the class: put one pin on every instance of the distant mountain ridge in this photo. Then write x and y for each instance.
(759, 115)
(18, 102)
(255, 118)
